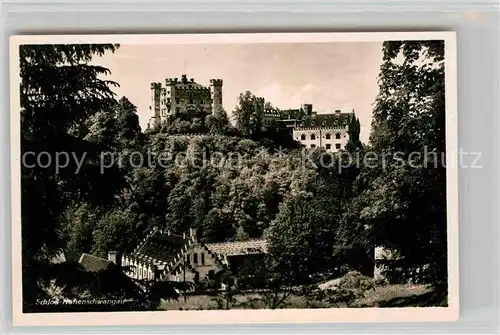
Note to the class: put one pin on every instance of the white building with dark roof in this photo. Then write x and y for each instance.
(330, 131)
(166, 256)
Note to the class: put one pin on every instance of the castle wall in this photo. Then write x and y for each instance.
(183, 96)
(331, 139)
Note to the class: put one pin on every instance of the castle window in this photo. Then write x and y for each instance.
(177, 101)
(337, 135)
(303, 137)
(187, 259)
(202, 258)
(191, 101)
(168, 100)
(337, 146)
(313, 146)
(328, 146)
(313, 137)
(195, 258)
(328, 136)
(178, 110)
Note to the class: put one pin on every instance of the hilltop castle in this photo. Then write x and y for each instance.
(184, 96)
(330, 131)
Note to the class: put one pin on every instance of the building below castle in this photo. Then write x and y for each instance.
(184, 96)
(330, 131)
(163, 255)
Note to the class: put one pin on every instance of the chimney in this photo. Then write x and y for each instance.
(192, 233)
(114, 257)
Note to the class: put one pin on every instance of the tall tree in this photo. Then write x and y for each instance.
(218, 123)
(127, 121)
(405, 199)
(249, 115)
(60, 90)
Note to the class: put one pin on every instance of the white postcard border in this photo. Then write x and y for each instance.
(333, 315)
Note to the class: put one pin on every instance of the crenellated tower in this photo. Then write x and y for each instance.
(216, 94)
(155, 103)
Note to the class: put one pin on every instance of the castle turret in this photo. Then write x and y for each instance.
(216, 94)
(155, 102)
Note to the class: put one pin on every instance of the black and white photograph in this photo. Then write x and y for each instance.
(234, 173)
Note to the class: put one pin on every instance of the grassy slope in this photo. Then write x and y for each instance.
(382, 296)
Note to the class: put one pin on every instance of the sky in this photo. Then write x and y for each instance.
(330, 76)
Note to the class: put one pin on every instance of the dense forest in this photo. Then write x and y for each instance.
(316, 217)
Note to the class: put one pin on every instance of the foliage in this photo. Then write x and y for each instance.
(60, 90)
(350, 288)
(401, 202)
(115, 230)
(249, 115)
(232, 182)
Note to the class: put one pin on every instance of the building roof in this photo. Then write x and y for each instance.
(184, 83)
(164, 249)
(327, 120)
(272, 113)
(189, 85)
(93, 263)
(161, 247)
(291, 114)
(238, 248)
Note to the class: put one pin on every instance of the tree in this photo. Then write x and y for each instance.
(218, 123)
(301, 238)
(115, 230)
(404, 203)
(249, 115)
(127, 121)
(60, 90)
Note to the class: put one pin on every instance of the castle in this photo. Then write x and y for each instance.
(330, 131)
(184, 96)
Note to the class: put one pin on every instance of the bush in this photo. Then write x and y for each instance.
(351, 287)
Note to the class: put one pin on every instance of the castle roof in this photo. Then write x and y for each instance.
(291, 114)
(337, 119)
(238, 248)
(189, 85)
(272, 113)
(93, 263)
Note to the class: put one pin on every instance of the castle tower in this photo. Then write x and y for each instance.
(171, 104)
(216, 94)
(155, 102)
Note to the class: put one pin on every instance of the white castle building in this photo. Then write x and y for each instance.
(330, 131)
(184, 96)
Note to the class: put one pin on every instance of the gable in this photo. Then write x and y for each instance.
(161, 247)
